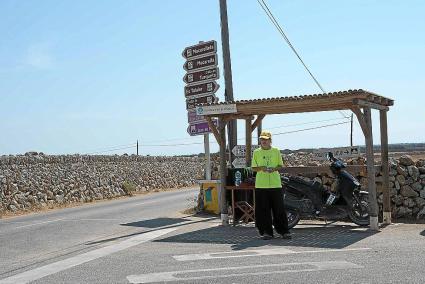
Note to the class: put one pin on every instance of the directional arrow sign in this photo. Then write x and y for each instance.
(208, 99)
(342, 152)
(200, 76)
(200, 49)
(202, 62)
(192, 117)
(239, 163)
(200, 128)
(240, 150)
(209, 87)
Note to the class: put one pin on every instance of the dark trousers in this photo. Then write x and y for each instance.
(268, 203)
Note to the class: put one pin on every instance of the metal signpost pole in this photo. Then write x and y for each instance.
(207, 156)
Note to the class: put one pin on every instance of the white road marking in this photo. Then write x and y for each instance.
(241, 271)
(61, 265)
(258, 252)
(39, 223)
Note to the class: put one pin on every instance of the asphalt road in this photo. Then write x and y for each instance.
(145, 239)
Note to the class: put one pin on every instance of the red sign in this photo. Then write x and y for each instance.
(200, 49)
(202, 62)
(204, 88)
(192, 102)
(199, 76)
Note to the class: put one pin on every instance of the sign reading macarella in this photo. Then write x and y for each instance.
(200, 49)
(198, 63)
(208, 99)
(209, 87)
(200, 76)
(200, 128)
(341, 152)
(216, 109)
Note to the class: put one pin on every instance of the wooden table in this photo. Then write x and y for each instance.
(247, 209)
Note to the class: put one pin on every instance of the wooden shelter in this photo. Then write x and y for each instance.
(360, 102)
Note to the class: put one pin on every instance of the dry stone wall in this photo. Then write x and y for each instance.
(36, 181)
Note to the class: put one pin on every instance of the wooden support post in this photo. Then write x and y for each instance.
(248, 142)
(214, 130)
(258, 121)
(385, 168)
(259, 129)
(373, 204)
(223, 172)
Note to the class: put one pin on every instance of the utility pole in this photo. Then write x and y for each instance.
(137, 147)
(351, 136)
(227, 66)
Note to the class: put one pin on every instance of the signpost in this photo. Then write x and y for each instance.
(339, 153)
(239, 162)
(216, 109)
(209, 87)
(239, 150)
(201, 76)
(192, 117)
(200, 128)
(200, 49)
(202, 62)
(208, 99)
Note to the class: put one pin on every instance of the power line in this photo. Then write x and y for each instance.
(312, 128)
(280, 30)
(304, 123)
(111, 150)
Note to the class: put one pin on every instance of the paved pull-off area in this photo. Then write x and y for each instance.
(145, 239)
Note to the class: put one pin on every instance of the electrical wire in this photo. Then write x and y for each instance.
(280, 30)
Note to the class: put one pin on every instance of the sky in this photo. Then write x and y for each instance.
(96, 76)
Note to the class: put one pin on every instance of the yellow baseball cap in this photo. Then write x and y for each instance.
(265, 135)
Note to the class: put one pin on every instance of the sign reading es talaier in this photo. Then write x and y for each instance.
(199, 76)
(202, 62)
(209, 87)
(192, 102)
(200, 49)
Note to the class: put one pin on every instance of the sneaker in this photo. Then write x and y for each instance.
(267, 237)
(287, 236)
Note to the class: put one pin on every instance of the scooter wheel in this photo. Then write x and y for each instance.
(293, 218)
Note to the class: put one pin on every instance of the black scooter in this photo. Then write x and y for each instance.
(304, 199)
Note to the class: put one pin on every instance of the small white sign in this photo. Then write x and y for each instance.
(339, 153)
(239, 163)
(216, 109)
(240, 150)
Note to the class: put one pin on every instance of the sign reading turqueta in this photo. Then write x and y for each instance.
(208, 99)
(216, 109)
(204, 88)
(200, 49)
(202, 62)
(339, 153)
(200, 128)
(200, 76)
(193, 118)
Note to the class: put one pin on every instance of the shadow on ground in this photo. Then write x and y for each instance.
(156, 223)
(241, 237)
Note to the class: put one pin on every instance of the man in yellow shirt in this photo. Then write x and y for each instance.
(267, 161)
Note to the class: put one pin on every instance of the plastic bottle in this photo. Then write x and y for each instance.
(238, 178)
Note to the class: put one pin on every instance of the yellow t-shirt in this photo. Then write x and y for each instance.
(267, 158)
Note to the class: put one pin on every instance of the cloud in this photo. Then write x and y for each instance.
(39, 56)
